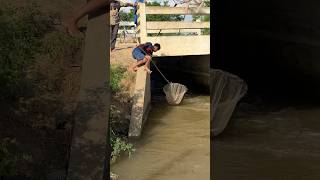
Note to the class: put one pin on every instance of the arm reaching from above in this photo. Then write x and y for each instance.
(84, 10)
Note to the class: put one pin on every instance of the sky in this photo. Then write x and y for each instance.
(171, 3)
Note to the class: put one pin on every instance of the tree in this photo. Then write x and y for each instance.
(162, 17)
(126, 16)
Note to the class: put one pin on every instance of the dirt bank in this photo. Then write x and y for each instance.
(37, 107)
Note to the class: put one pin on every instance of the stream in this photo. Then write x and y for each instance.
(175, 143)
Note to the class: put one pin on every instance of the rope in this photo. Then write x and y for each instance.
(160, 72)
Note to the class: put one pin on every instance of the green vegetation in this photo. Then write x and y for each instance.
(163, 17)
(35, 56)
(21, 34)
(26, 33)
(152, 17)
(127, 16)
(119, 146)
(118, 140)
(9, 160)
(116, 75)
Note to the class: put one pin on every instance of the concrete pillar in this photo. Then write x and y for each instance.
(89, 144)
(141, 103)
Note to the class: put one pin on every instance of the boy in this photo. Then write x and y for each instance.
(142, 53)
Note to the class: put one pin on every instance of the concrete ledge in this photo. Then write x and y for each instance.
(176, 10)
(176, 25)
(141, 103)
(88, 153)
(190, 45)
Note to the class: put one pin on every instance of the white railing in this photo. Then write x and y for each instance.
(189, 45)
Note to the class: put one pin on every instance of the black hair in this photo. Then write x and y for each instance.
(157, 45)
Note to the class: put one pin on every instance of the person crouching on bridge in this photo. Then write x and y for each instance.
(142, 53)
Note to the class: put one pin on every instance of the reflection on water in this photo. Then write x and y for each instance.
(269, 143)
(175, 144)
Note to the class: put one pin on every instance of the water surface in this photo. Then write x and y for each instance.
(175, 144)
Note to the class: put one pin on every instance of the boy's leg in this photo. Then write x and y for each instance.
(137, 64)
(200, 4)
(187, 2)
(187, 7)
(147, 66)
(92, 5)
(140, 62)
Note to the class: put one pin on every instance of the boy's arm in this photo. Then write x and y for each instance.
(91, 6)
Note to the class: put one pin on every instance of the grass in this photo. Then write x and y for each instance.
(26, 33)
(31, 75)
(118, 140)
(9, 160)
(117, 73)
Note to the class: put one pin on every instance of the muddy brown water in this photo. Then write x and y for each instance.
(175, 144)
(263, 143)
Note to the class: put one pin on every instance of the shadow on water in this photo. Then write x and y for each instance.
(274, 130)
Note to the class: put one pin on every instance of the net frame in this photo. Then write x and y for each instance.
(174, 93)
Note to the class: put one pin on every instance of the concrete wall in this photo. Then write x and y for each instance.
(141, 103)
(189, 70)
(181, 45)
(89, 159)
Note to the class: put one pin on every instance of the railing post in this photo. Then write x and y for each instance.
(142, 22)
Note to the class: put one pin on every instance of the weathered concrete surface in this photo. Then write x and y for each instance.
(141, 103)
(89, 149)
(176, 25)
(176, 10)
(197, 31)
(182, 45)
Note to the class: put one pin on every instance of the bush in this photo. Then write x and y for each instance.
(21, 32)
(8, 160)
(25, 34)
(118, 144)
(116, 75)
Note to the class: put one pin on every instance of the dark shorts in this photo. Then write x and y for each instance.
(137, 54)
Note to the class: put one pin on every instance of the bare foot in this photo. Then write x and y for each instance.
(148, 70)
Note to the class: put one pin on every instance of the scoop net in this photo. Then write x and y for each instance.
(174, 91)
(226, 91)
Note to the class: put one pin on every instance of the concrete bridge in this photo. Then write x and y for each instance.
(187, 53)
(173, 45)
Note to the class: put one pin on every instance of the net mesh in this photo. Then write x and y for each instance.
(174, 93)
(226, 90)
